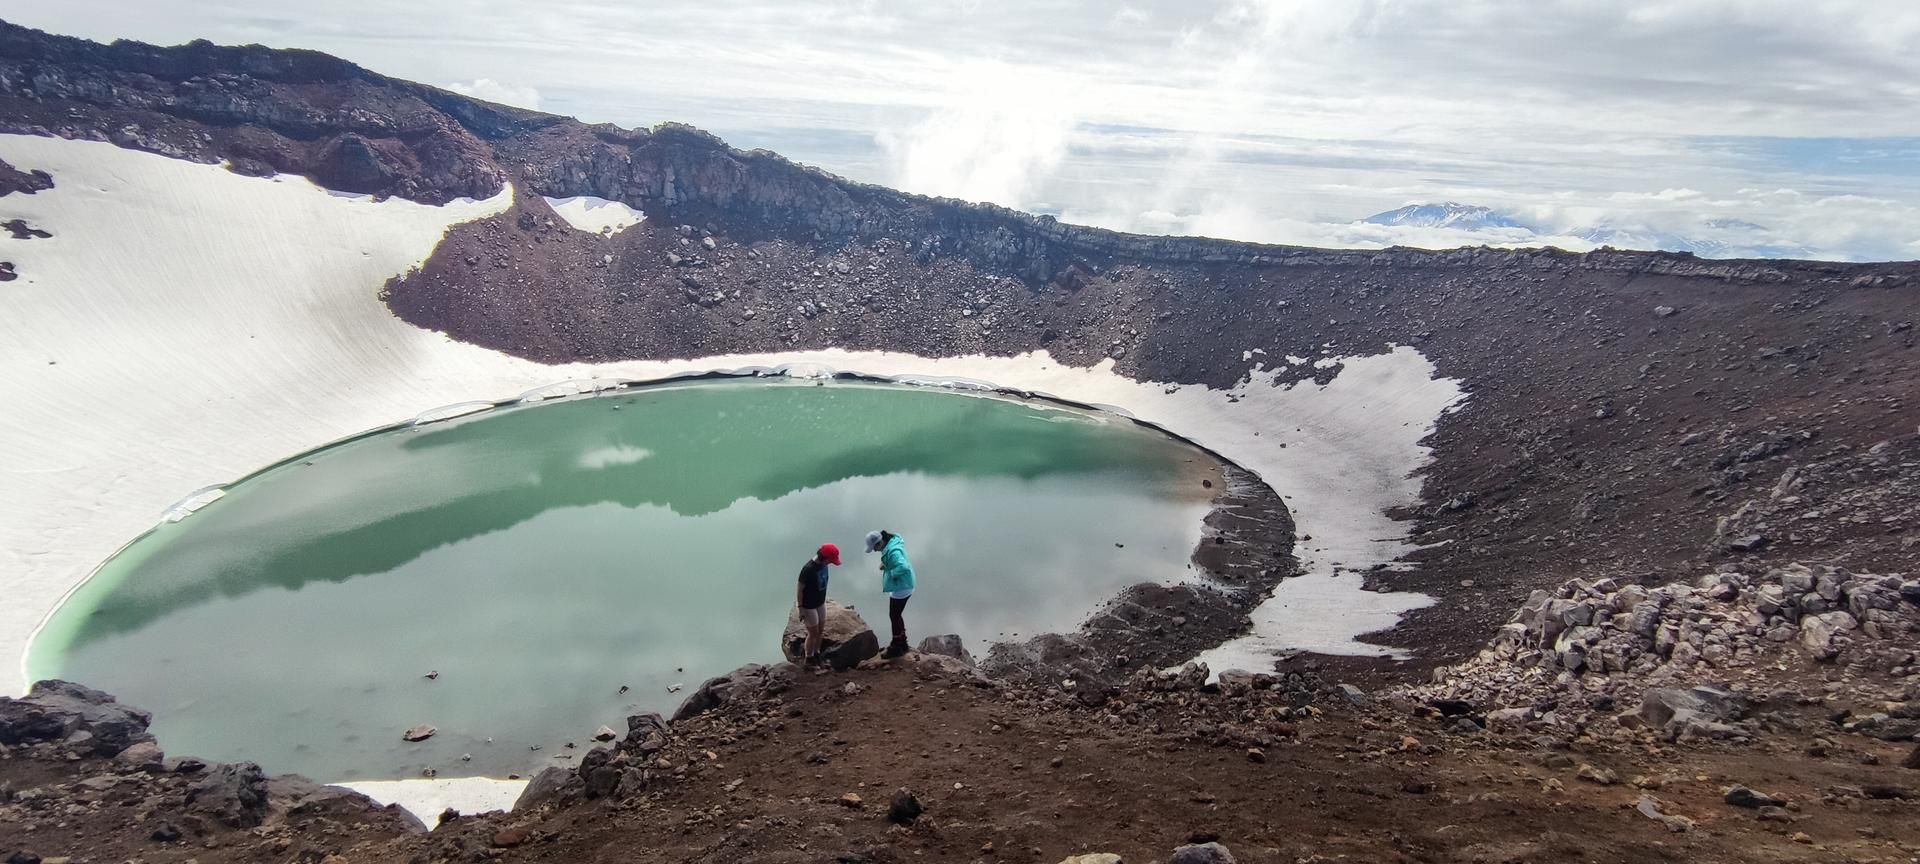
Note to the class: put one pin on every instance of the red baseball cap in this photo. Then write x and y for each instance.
(830, 552)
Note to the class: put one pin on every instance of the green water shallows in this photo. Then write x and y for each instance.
(541, 557)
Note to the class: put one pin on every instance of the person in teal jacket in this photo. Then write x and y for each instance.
(896, 581)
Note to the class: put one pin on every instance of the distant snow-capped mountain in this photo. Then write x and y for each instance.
(1648, 238)
(1449, 214)
(1716, 238)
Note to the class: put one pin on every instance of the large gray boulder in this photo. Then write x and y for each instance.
(948, 645)
(1695, 710)
(551, 785)
(235, 794)
(747, 681)
(845, 639)
(293, 797)
(1817, 632)
(59, 710)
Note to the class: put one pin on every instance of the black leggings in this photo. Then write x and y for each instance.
(896, 605)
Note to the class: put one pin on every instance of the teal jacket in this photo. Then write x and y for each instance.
(896, 572)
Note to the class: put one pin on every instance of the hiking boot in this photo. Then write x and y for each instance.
(895, 650)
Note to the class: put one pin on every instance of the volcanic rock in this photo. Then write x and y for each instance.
(845, 638)
(551, 785)
(1201, 853)
(235, 794)
(62, 711)
(1696, 708)
(745, 682)
(904, 807)
(948, 645)
(1741, 796)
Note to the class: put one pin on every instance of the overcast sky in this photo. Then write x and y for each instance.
(1765, 124)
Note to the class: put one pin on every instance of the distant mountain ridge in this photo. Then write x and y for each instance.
(1736, 237)
(1447, 214)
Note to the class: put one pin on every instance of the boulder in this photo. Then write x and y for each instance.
(552, 785)
(947, 646)
(1650, 808)
(1094, 858)
(1741, 796)
(1201, 853)
(904, 808)
(645, 733)
(61, 711)
(845, 638)
(747, 681)
(934, 666)
(1797, 579)
(1695, 710)
(1192, 675)
(1509, 718)
(1817, 632)
(293, 797)
(235, 794)
(143, 756)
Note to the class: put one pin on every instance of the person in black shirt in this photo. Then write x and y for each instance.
(811, 596)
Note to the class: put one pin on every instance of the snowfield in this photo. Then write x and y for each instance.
(185, 326)
(595, 215)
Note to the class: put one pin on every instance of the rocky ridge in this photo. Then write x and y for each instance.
(1702, 660)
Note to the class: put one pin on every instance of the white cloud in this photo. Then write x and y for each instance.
(1282, 112)
(494, 91)
(1000, 132)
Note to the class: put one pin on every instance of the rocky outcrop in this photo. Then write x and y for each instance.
(235, 794)
(80, 718)
(266, 110)
(552, 785)
(1570, 654)
(745, 682)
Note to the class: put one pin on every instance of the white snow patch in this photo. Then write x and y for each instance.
(596, 215)
(186, 326)
(427, 799)
(607, 457)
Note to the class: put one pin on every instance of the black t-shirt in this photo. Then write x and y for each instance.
(813, 584)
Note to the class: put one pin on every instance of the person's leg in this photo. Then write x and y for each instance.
(815, 619)
(895, 607)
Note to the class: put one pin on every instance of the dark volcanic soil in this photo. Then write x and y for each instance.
(1004, 775)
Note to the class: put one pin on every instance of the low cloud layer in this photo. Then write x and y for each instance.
(1278, 120)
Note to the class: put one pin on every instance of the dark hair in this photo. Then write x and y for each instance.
(885, 536)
